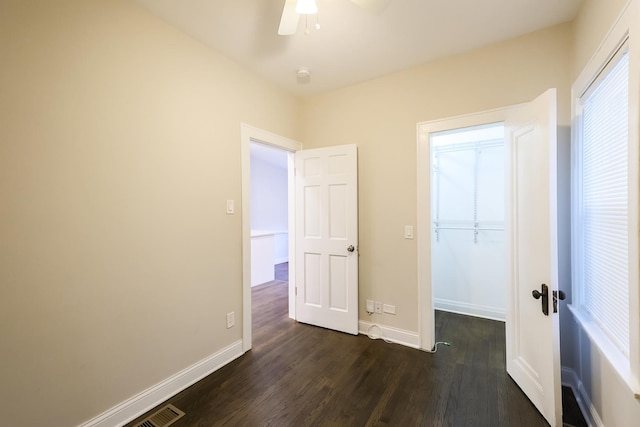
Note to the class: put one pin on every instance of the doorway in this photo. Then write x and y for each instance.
(249, 135)
(269, 214)
(467, 211)
(447, 133)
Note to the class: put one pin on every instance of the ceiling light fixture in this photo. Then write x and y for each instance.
(306, 7)
(292, 10)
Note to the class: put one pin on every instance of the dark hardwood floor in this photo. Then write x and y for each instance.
(301, 375)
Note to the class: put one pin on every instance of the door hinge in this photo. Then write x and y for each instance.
(296, 290)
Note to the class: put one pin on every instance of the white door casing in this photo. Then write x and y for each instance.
(326, 229)
(532, 338)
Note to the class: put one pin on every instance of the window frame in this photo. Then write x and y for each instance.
(624, 31)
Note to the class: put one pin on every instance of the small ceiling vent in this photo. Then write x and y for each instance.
(162, 418)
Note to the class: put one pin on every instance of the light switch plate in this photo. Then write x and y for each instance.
(230, 207)
(408, 231)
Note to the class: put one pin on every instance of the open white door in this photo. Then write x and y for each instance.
(533, 344)
(326, 277)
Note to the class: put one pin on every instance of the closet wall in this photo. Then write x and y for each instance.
(468, 248)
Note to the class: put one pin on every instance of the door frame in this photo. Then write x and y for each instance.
(426, 310)
(249, 134)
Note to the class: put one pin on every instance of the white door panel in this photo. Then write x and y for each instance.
(533, 356)
(326, 226)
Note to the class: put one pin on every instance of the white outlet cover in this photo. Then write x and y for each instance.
(388, 308)
(231, 319)
(378, 307)
(370, 306)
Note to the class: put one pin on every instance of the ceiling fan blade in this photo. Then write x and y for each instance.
(289, 20)
(374, 6)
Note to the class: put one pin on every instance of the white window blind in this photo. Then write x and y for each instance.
(604, 202)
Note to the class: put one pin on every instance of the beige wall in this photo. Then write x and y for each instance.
(591, 26)
(119, 144)
(380, 116)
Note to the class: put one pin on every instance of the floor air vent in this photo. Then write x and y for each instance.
(162, 418)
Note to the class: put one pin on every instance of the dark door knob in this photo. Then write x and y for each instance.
(544, 295)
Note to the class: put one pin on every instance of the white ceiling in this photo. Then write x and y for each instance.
(352, 44)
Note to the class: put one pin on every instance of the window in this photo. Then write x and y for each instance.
(606, 200)
(602, 211)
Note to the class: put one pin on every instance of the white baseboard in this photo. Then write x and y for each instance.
(280, 260)
(589, 412)
(137, 405)
(389, 333)
(492, 313)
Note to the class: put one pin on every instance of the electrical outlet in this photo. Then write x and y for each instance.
(369, 306)
(231, 319)
(378, 307)
(388, 308)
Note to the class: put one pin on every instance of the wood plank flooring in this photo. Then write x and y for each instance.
(301, 375)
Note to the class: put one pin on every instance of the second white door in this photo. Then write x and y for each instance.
(326, 248)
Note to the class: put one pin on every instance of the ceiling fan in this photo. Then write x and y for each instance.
(294, 8)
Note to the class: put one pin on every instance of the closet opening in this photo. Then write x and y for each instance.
(467, 221)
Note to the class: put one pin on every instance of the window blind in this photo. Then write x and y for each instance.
(604, 210)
